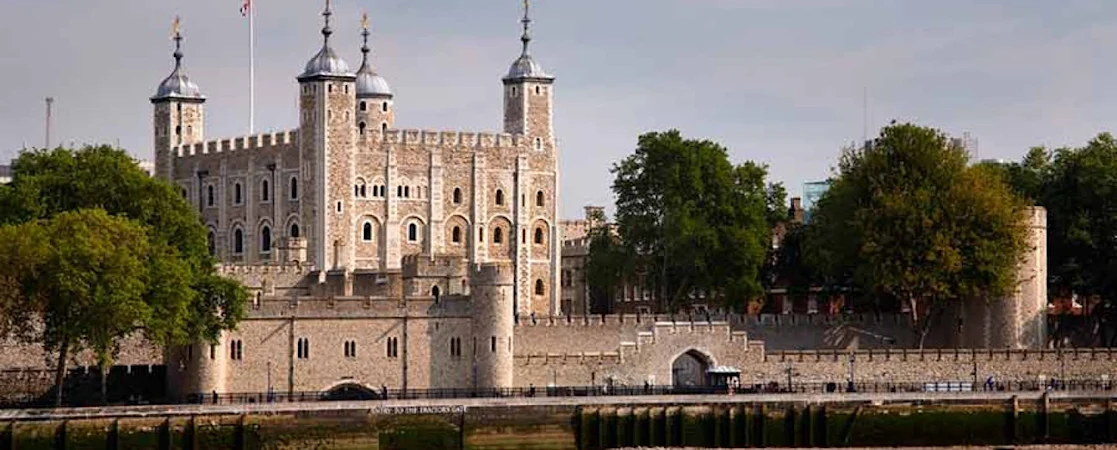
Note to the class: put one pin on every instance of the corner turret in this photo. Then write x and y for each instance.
(528, 96)
(179, 112)
(327, 136)
(375, 110)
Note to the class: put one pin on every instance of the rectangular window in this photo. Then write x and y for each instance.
(236, 350)
(492, 344)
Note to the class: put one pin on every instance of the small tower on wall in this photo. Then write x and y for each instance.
(375, 111)
(528, 95)
(327, 137)
(179, 113)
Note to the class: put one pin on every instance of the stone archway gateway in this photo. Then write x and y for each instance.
(350, 391)
(689, 369)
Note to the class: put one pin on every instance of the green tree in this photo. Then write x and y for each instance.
(908, 219)
(188, 301)
(1081, 200)
(607, 265)
(694, 221)
(87, 277)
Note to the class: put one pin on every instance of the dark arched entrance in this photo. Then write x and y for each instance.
(350, 391)
(689, 369)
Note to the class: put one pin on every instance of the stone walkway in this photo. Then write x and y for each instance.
(373, 405)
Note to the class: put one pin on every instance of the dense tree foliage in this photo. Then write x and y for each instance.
(182, 297)
(691, 220)
(909, 220)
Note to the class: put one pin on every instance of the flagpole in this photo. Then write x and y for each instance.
(251, 68)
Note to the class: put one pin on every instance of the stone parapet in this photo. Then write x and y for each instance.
(257, 141)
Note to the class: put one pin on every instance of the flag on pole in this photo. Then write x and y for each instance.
(244, 8)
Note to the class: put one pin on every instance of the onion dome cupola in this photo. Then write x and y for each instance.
(525, 67)
(178, 86)
(369, 83)
(326, 64)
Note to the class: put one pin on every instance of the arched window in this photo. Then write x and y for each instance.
(399, 191)
(539, 198)
(184, 193)
(456, 235)
(294, 188)
(457, 196)
(498, 235)
(499, 197)
(211, 243)
(539, 287)
(361, 127)
(435, 292)
(366, 232)
(265, 239)
(538, 144)
(412, 232)
(237, 197)
(209, 195)
(294, 232)
(385, 106)
(538, 235)
(265, 191)
(364, 107)
(384, 127)
(238, 241)
(407, 191)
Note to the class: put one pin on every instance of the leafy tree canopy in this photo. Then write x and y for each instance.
(695, 222)
(99, 250)
(908, 219)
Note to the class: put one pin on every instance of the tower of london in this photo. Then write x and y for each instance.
(411, 258)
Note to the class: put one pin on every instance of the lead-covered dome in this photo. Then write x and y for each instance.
(369, 83)
(526, 67)
(326, 63)
(178, 84)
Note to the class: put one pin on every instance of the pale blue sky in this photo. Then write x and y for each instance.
(776, 81)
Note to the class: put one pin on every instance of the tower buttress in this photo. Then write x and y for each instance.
(327, 138)
(179, 113)
(528, 95)
(376, 111)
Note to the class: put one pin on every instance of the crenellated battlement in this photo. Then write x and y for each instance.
(951, 355)
(261, 140)
(581, 358)
(262, 269)
(451, 138)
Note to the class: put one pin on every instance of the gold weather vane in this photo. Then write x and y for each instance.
(175, 28)
(364, 21)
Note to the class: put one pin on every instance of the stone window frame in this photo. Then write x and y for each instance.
(539, 238)
(350, 349)
(392, 347)
(540, 287)
(211, 195)
(361, 127)
(293, 188)
(364, 105)
(499, 197)
(294, 230)
(238, 240)
(412, 231)
(238, 193)
(265, 190)
(456, 235)
(236, 350)
(384, 107)
(266, 243)
(540, 198)
(498, 235)
(368, 231)
(457, 196)
(302, 348)
(360, 189)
